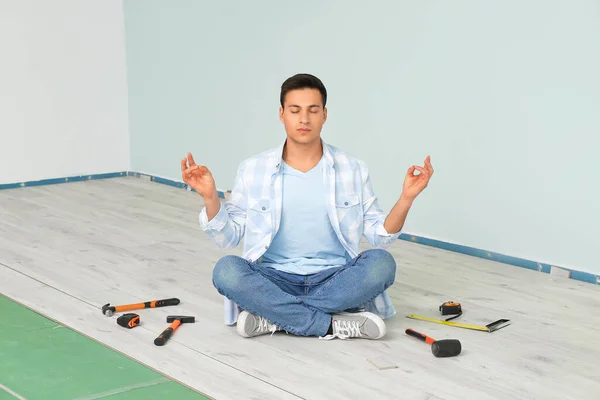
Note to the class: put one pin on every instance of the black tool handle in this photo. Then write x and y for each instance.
(420, 336)
(163, 337)
(166, 334)
(416, 334)
(163, 303)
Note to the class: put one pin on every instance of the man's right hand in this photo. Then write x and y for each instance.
(199, 178)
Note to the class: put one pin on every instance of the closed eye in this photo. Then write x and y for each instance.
(313, 111)
(294, 109)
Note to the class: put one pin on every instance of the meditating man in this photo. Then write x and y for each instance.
(302, 209)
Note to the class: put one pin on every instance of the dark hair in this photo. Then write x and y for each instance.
(303, 81)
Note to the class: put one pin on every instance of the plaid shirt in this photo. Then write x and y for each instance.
(253, 211)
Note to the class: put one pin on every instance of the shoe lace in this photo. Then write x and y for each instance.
(344, 329)
(265, 326)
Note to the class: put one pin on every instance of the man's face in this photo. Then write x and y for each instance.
(303, 115)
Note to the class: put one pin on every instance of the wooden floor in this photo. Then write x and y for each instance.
(65, 250)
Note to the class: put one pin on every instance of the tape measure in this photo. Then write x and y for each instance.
(129, 320)
(451, 308)
(454, 308)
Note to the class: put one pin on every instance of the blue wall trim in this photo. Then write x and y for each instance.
(79, 178)
(456, 248)
(169, 182)
(502, 258)
(53, 181)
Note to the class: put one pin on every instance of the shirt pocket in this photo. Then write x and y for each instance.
(349, 211)
(258, 215)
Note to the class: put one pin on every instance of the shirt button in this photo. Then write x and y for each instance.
(266, 247)
(346, 203)
(264, 208)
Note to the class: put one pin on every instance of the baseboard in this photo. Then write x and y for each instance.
(53, 181)
(91, 177)
(456, 248)
(169, 182)
(506, 259)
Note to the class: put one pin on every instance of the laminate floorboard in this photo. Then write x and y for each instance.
(68, 249)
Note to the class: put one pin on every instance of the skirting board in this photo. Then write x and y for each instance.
(169, 182)
(79, 178)
(502, 258)
(457, 248)
(54, 181)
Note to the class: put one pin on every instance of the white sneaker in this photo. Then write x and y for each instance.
(249, 325)
(364, 325)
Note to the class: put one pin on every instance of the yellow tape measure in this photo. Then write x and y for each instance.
(444, 322)
(454, 308)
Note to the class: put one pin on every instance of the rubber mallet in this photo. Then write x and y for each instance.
(175, 321)
(439, 348)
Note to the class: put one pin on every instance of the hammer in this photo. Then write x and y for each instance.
(439, 348)
(109, 310)
(175, 321)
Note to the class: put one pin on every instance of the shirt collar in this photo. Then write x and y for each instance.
(277, 159)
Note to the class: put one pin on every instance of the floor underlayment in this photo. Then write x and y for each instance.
(45, 360)
(65, 250)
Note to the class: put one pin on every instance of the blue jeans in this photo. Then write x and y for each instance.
(303, 304)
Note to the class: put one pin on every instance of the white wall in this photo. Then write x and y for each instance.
(63, 89)
(504, 95)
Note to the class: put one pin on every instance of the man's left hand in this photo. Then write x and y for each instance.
(416, 183)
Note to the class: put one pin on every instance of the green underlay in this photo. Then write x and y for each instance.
(40, 359)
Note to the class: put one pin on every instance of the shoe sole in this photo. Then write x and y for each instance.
(241, 324)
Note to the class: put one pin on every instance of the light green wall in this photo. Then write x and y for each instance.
(504, 95)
